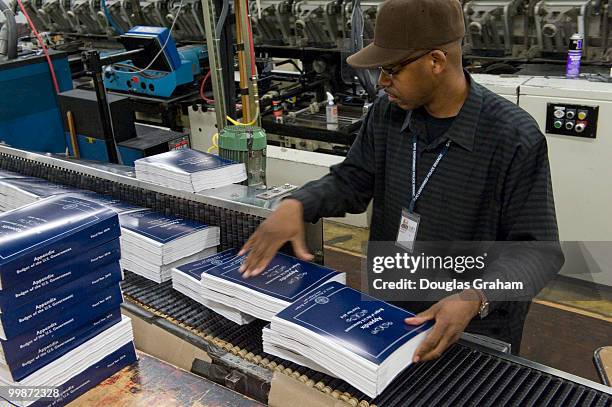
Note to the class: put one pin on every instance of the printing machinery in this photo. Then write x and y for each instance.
(475, 371)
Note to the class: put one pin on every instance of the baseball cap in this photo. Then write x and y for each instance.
(406, 28)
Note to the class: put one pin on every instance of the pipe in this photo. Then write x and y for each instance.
(222, 18)
(11, 30)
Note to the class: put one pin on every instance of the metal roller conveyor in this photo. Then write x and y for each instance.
(466, 375)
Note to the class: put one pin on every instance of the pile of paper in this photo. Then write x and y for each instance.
(18, 191)
(282, 282)
(60, 295)
(153, 243)
(186, 279)
(345, 333)
(189, 170)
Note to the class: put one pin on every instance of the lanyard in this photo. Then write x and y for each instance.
(416, 195)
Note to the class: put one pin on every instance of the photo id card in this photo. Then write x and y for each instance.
(408, 228)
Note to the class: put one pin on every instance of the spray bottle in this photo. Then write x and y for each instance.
(331, 113)
(574, 54)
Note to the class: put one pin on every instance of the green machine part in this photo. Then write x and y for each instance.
(246, 144)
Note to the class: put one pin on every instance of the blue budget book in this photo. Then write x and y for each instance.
(50, 279)
(90, 377)
(38, 186)
(368, 327)
(115, 204)
(159, 227)
(51, 232)
(196, 268)
(96, 307)
(4, 174)
(49, 306)
(18, 366)
(286, 278)
(186, 161)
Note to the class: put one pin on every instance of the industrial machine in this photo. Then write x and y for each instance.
(28, 98)
(576, 116)
(246, 144)
(160, 69)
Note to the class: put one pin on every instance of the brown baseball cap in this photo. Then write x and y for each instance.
(405, 28)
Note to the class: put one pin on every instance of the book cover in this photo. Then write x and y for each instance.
(196, 268)
(45, 280)
(286, 278)
(49, 306)
(42, 355)
(10, 174)
(115, 204)
(92, 376)
(184, 161)
(37, 187)
(159, 227)
(368, 327)
(53, 231)
(94, 306)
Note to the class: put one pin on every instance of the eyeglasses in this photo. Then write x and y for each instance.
(389, 72)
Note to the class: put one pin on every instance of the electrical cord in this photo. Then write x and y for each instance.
(42, 44)
(165, 42)
(202, 96)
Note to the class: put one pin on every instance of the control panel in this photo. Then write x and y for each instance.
(571, 120)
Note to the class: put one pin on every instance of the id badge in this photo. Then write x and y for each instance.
(408, 228)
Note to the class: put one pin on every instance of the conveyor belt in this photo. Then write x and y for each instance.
(465, 375)
(236, 226)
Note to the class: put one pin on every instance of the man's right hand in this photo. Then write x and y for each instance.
(285, 224)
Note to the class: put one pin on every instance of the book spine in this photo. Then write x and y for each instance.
(20, 270)
(91, 377)
(43, 281)
(40, 348)
(48, 353)
(98, 304)
(49, 307)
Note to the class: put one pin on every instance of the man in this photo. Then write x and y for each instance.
(481, 172)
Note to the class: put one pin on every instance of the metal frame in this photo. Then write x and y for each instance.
(538, 366)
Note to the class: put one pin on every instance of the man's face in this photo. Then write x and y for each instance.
(411, 84)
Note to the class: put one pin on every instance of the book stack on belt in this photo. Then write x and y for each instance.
(282, 282)
(343, 332)
(60, 322)
(16, 192)
(186, 279)
(10, 174)
(153, 243)
(189, 170)
(115, 204)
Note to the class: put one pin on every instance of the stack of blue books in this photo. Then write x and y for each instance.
(348, 334)
(60, 322)
(115, 204)
(153, 243)
(281, 283)
(18, 191)
(186, 279)
(189, 170)
(4, 174)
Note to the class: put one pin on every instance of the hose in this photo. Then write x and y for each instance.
(222, 18)
(11, 30)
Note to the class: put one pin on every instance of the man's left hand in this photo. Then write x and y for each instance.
(452, 315)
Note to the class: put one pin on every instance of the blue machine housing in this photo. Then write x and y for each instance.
(173, 68)
(30, 117)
